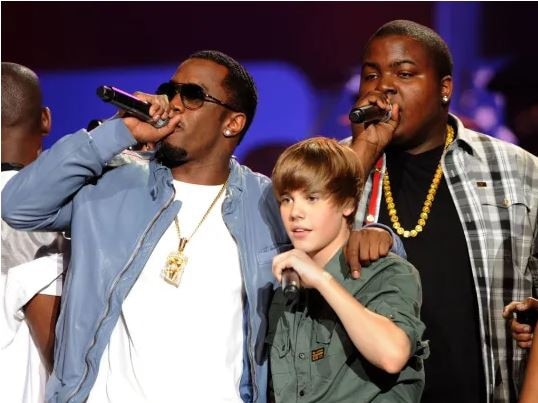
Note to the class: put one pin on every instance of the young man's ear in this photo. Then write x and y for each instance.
(349, 208)
(234, 124)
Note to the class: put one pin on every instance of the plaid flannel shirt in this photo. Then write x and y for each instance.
(494, 186)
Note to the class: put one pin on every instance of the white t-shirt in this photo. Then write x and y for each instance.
(181, 344)
(22, 373)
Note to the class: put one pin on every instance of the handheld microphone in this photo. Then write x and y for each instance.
(290, 283)
(369, 113)
(129, 103)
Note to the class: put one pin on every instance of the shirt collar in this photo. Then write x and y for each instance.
(465, 138)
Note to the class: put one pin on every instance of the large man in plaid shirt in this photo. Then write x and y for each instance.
(465, 205)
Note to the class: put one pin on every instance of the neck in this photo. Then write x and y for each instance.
(431, 139)
(20, 151)
(202, 173)
(323, 256)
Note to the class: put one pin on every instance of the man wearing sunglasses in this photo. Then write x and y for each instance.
(133, 326)
(170, 278)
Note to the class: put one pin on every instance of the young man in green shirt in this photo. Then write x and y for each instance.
(341, 339)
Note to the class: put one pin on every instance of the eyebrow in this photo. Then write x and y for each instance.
(402, 61)
(370, 64)
(395, 63)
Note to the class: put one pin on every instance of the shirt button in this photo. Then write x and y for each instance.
(506, 202)
(301, 393)
(301, 356)
(370, 218)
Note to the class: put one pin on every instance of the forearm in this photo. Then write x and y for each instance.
(376, 337)
(41, 314)
(367, 153)
(33, 198)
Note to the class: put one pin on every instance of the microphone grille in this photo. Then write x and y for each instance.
(105, 92)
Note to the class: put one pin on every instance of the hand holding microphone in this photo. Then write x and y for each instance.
(132, 105)
(296, 270)
(378, 108)
(368, 114)
(373, 127)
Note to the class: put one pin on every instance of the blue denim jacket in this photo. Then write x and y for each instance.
(115, 220)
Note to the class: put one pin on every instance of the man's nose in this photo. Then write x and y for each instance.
(386, 84)
(176, 104)
(297, 211)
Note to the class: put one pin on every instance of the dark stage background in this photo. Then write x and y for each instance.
(316, 45)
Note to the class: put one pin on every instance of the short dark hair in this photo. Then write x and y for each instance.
(238, 82)
(430, 39)
(21, 96)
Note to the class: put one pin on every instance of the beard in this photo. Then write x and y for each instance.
(171, 156)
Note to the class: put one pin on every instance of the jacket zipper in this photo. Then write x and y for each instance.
(118, 277)
(249, 327)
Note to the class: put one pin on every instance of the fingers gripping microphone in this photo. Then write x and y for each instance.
(369, 113)
(290, 283)
(129, 103)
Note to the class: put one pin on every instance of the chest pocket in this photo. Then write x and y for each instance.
(507, 214)
(499, 204)
(261, 268)
(278, 340)
(331, 347)
(265, 256)
(278, 334)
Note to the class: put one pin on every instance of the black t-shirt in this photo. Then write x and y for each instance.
(454, 370)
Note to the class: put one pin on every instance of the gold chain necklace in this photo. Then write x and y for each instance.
(391, 207)
(176, 261)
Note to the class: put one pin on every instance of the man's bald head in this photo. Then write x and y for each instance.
(24, 119)
(21, 98)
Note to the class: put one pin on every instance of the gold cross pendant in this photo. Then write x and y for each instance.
(175, 263)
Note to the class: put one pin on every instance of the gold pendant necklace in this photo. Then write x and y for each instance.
(423, 217)
(176, 261)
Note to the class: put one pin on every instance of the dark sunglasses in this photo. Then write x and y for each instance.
(192, 95)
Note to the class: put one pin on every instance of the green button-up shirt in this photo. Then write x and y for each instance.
(314, 360)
